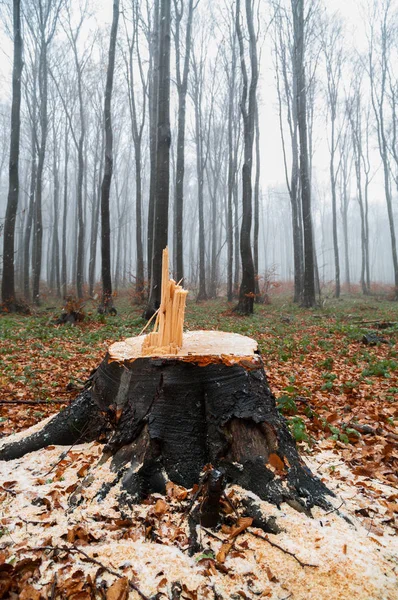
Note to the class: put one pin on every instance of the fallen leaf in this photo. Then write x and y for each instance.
(160, 508)
(223, 552)
(276, 462)
(29, 593)
(119, 590)
(242, 524)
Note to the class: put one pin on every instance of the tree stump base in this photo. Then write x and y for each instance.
(171, 415)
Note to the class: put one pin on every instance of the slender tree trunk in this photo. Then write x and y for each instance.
(137, 130)
(8, 282)
(231, 173)
(256, 204)
(107, 301)
(153, 119)
(161, 213)
(55, 249)
(214, 245)
(366, 215)
(38, 218)
(248, 109)
(64, 273)
(344, 214)
(334, 211)
(378, 93)
(309, 257)
(236, 240)
(182, 87)
(29, 220)
(139, 288)
(80, 220)
(95, 217)
(202, 293)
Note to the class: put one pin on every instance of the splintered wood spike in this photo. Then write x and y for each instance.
(166, 337)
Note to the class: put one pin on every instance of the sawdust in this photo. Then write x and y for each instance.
(48, 502)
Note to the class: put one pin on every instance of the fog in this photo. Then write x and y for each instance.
(346, 62)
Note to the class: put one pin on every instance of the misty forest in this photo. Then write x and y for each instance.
(199, 288)
(86, 212)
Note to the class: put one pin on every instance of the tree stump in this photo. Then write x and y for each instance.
(166, 416)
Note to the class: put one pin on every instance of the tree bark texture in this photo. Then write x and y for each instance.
(161, 208)
(182, 87)
(38, 217)
(8, 281)
(231, 74)
(137, 127)
(107, 302)
(171, 416)
(248, 109)
(301, 99)
(257, 205)
(153, 118)
(64, 275)
(198, 66)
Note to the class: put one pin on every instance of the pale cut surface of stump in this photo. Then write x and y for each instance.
(206, 344)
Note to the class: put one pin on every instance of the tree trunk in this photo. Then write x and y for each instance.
(182, 87)
(345, 235)
(64, 275)
(95, 205)
(231, 170)
(299, 65)
(161, 212)
(202, 294)
(173, 415)
(153, 120)
(8, 282)
(29, 220)
(248, 109)
(236, 240)
(334, 212)
(256, 205)
(38, 217)
(107, 301)
(55, 249)
(378, 96)
(137, 131)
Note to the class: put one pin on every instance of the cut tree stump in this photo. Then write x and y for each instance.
(167, 416)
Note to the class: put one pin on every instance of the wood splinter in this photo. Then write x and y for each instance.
(166, 338)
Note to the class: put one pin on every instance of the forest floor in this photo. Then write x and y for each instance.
(339, 395)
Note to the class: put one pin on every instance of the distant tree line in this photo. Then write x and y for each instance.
(124, 139)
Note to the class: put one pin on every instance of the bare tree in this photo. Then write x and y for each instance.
(286, 81)
(41, 18)
(202, 148)
(382, 30)
(248, 109)
(64, 278)
(345, 150)
(107, 299)
(230, 67)
(301, 100)
(137, 127)
(80, 61)
(153, 90)
(8, 281)
(160, 229)
(31, 56)
(182, 88)
(333, 52)
(355, 116)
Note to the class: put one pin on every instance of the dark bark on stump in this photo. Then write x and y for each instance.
(172, 416)
(78, 423)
